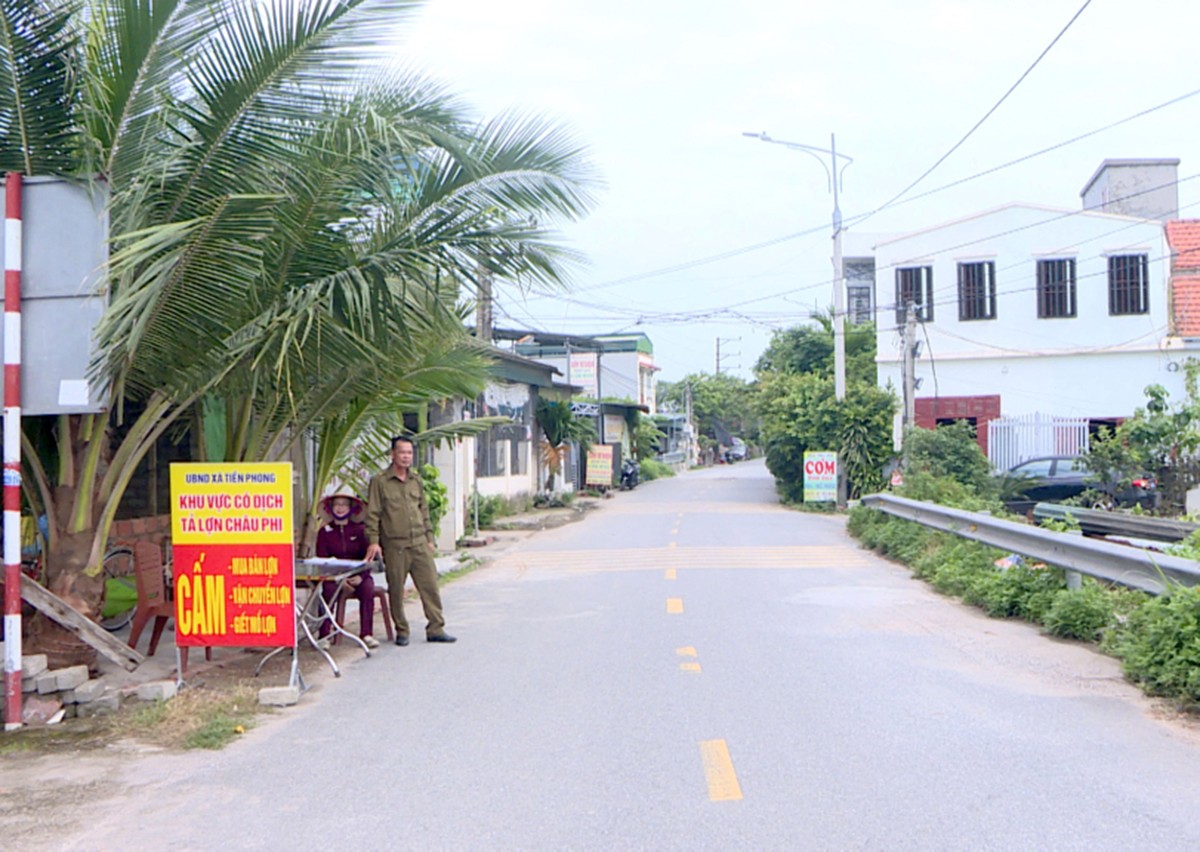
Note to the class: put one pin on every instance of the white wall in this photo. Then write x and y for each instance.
(1092, 365)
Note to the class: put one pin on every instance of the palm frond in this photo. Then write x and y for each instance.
(38, 100)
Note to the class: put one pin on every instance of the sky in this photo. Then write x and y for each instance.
(703, 234)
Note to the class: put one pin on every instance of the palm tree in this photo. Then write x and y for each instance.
(286, 230)
(561, 428)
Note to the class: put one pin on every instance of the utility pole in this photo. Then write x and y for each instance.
(910, 365)
(721, 340)
(839, 294)
(483, 305)
(834, 174)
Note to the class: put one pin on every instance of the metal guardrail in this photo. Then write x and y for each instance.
(1128, 566)
(1095, 522)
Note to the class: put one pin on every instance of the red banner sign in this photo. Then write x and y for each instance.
(233, 555)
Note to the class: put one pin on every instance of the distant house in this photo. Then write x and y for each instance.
(604, 366)
(1028, 313)
(506, 460)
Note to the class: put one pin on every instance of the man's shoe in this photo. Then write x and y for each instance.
(401, 640)
(441, 637)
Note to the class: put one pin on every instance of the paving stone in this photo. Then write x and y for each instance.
(33, 665)
(157, 690)
(69, 678)
(47, 682)
(87, 691)
(279, 696)
(102, 706)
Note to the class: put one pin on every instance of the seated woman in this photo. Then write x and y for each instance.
(345, 538)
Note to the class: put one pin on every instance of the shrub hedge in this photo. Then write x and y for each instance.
(1157, 639)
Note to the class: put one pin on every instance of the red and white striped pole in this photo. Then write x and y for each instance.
(12, 451)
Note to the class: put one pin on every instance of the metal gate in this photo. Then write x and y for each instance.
(1012, 440)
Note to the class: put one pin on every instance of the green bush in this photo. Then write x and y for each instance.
(1160, 644)
(435, 496)
(1080, 613)
(553, 499)
(488, 508)
(949, 452)
(654, 469)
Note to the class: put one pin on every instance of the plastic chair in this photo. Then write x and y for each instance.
(381, 597)
(152, 599)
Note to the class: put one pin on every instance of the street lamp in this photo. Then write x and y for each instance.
(839, 313)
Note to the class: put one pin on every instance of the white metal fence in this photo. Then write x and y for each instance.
(1012, 440)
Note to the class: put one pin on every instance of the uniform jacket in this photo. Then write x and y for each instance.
(396, 510)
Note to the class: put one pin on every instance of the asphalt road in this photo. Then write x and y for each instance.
(690, 667)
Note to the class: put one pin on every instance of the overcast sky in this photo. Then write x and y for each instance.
(662, 90)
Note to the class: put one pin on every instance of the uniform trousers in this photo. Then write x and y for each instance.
(400, 561)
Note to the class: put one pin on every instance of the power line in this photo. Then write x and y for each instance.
(986, 115)
(859, 218)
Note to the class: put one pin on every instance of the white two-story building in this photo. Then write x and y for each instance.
(1026, 311)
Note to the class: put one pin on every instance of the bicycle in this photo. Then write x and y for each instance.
(119, 604)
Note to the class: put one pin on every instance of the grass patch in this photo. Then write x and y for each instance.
(465, 567)
(198, 717)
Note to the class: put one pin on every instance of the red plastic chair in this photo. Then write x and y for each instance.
(381, 597)
(153, 601)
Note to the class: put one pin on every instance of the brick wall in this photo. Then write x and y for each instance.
(975, 409)
(156, 529)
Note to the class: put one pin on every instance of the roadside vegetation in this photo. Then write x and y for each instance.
(1157, 639)
(295, 229)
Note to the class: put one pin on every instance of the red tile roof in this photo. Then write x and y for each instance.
(1184, 238)
(1185, 303)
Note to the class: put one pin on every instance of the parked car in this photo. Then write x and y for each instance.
(737, 451)
(1052, 479)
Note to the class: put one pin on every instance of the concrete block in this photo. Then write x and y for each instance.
(279, 696)
(102, 706)
(33, 665)
(157, 690)
(28, 684)
(47, 682)
(1191, 501)
(72, 677)
(86, 692)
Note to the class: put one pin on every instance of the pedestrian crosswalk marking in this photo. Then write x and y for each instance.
(674, 557)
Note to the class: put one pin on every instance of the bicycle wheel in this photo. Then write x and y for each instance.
(120, 589)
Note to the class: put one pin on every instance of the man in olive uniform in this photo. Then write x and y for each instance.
(398, 527)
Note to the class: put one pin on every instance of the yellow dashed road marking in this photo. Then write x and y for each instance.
(718, 771)
(690, 667)
(670, 574)
(674, 606)
(686, 651)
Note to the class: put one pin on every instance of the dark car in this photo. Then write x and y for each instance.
(1052, 479)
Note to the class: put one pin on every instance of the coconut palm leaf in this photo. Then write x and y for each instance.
(38, 128)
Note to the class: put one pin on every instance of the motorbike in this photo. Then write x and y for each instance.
(629, 475)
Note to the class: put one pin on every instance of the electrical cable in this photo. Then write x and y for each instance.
(986, 115)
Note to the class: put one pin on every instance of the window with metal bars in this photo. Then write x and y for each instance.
(1056, 288)
(914, 285)
(1128, 284)
(977, 290)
